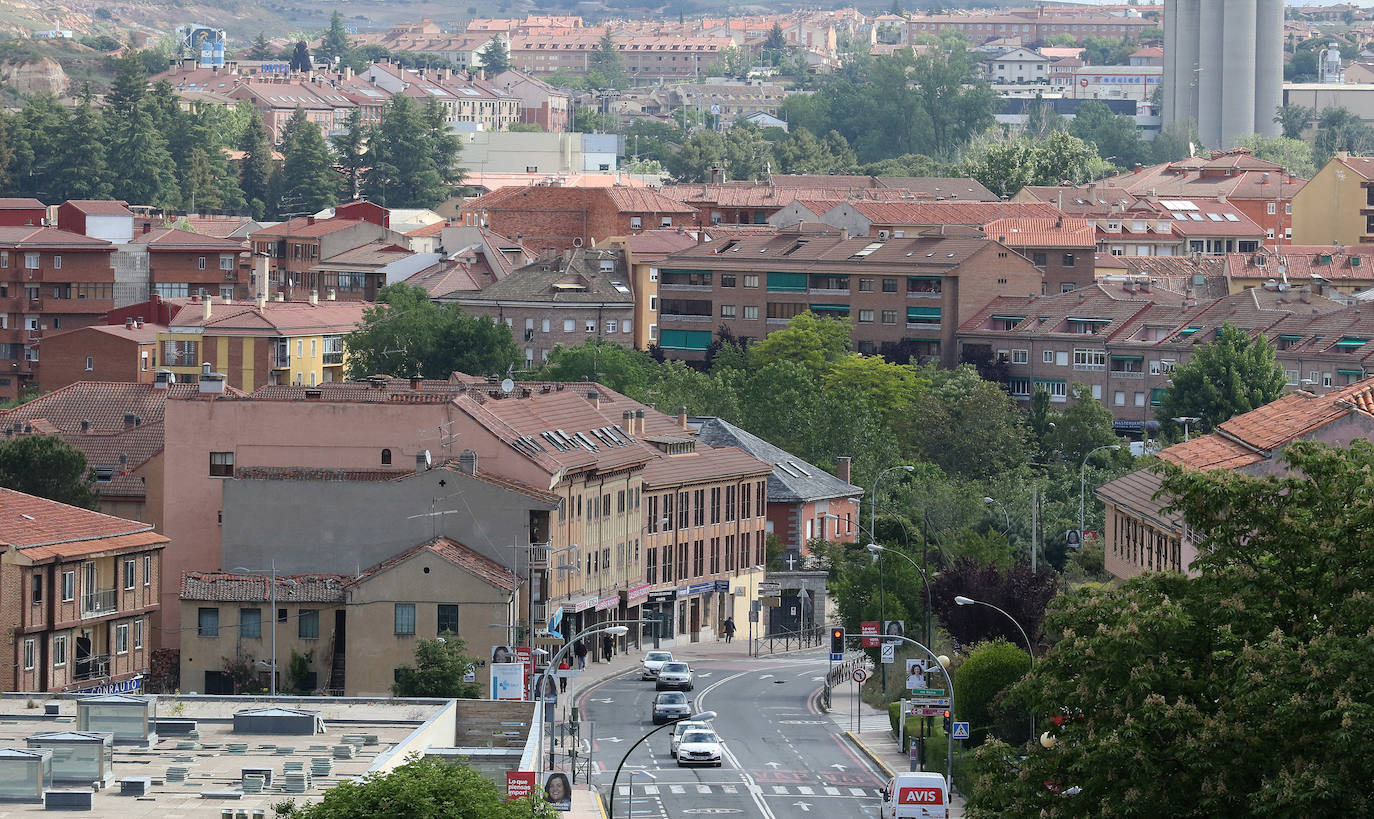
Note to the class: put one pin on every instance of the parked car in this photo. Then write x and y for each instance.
(699, 746)
(682, 727)
(653, 661)
(671, 705)
(675, 676)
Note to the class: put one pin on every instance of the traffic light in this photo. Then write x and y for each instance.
(837, 641)
(949, 723)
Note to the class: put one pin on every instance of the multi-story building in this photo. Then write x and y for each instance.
(1143, 534)
(181, 263)
(644, 56)
(258, 343)
(540, 103)
(904, 295)
(644, 254)
(910, 217)
(294, 248)
(462, 100)
(561, 218)
(1337, 206)
(1031, 26)
(560, 300)
(1017, 65)
(1062, 248)
(1335, 272)
(101, 352)
(82, 592)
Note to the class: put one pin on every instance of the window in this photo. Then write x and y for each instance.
(138, 633)
(250, 624)
(1047, 357)
(889, 317)
(636, 222)
(405, 619)
(68, 586)
(727, 280)
(1067, 261)
(59, 651)
(1089, 359)
(1039, 259)
(28, 644)
(591, 325)
(1140, 399)
(207, 622)
(90, 363)
(751, 312)
(200, 263)
(569, 325)
(866, 316)
(308, 623)
(1020, 356)
(1058, 390)
(221, 464)
(889, 285)
(1292, 376)
(1271, 208)
(1066, 287)
(31, 261)
(147, 570)
(1020, 387)
(37, 587)
(448, 618)
(386, 457)
(865, 285)
(226, 261)
(727, 311)
(129, 570)
(122, 638)
(57, 262)
(751, 280)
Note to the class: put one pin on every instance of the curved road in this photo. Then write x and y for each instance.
(783, 757)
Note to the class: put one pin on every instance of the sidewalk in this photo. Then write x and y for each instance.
(870, 731)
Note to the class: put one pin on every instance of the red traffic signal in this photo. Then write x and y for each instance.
(837, 641)
(949, 722)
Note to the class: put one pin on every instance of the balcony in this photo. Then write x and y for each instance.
(1096, 368)
(1127, 374)
(923, 294)
(98, 603)
(331, 359)
(929, 328)
(666, 317)
(828, 291)
(92, 667)
(539, 555)
(703, 288)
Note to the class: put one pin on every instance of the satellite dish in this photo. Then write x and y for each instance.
(507, 385)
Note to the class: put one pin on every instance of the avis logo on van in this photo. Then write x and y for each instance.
(916, 795)
(919, 796)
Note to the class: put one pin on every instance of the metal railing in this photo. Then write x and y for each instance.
(839, 673)
(790, 640)
(93, 667)
(99, 602)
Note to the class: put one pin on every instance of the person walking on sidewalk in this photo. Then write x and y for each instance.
(729, 629)
(608, 646)
(580, 649)
(562, 676)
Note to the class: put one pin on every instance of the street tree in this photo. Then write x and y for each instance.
(350, 155)
(988, 670)
(495, 56)
(808, 340)
(422, 788)
(1083, 426)
(300, 57)
(438, 671)
(405, 334)
(607, 63)
(1293, 119)
(255, 169)
(309, 181)
(47, 466)
(775, 40)
(334, 46)
(1226, 377)
(1005, 163)
(969, 427)
(621, 368)
(1023, 593)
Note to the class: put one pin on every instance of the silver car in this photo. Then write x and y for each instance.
(653, 661)
(671, 705)
(682, 727)
(699, 746)
(675, 676)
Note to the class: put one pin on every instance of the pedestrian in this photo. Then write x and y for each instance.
(563, 676)
(729, 629)
(580, 649)
(608, 646)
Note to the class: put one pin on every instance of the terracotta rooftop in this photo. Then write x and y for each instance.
(290, 318)
(103, 403)
(166, 238)
(39, 237)
(101, 207)
(306, 227)
(1043, 231)
(922, 212)
(228, 587)
(147, 334)
(20, 203)
(706, 462)
(27, 522)
(455, 553)
(1304, 263)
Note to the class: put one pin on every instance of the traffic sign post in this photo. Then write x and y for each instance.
(931, 701)
(921, 711)
(860, 674)
(927, 692)
(769, 588)
(961, 730)
(889, 653)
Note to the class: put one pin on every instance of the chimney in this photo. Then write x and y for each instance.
(310, 220)
(348, 72)
(262, 302)
(682, 416)
(314, 297)
(594, 398)
(313, 394)
(260, 277)
(415, 382)
(467, 462)
(842, 464)
(147, 227)
(627, 422)
(639, 422)
(207, 304)
(717, 176)
(211, 383)
(129, 323)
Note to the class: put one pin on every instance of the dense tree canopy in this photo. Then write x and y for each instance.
(49, 467)
(438, 671)
(405, 334)
(1230, 375)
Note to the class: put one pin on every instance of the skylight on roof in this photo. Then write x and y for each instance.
(1231, 217)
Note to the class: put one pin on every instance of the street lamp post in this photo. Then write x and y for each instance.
(1083, 485)
(615, 628)
(1030, 652)
(272, 597)
(1005, 515)
(873, 524)
(640, 772)
(1186, 420)
(704, 716)
(949, 683)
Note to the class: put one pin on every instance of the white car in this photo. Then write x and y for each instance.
(699, 746)
(653, 661)
(674, 675)
(682, 727)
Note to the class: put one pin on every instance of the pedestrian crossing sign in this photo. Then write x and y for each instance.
(961, 730)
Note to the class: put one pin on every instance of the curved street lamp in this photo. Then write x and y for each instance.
(1005, 515)
(961, 600)
(613, 627)
(704, 716)
(1083, 483)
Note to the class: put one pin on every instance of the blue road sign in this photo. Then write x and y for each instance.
(835, 658)
(961, 730)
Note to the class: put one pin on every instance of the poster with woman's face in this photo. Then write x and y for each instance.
(558, 790)
(894, 628)
(502, 654)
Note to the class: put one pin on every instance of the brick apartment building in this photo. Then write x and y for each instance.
(181, 263)
(295, 247)
(81, 593)
(101, 352)
(555, 218)
(904, 295)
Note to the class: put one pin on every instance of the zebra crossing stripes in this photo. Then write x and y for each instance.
(767, 790)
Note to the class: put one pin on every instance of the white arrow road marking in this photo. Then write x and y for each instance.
(705, 674)
(611, 739)
(837, 766)
(773, 765)
(607, 700)
(805, 806)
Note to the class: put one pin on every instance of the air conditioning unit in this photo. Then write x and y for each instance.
(883, 234)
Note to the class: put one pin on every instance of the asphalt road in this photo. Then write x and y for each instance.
(782, 757)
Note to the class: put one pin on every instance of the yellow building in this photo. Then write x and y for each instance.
(644, 252)
(1337, 205)
(267, 342)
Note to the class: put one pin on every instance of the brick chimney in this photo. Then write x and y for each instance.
(842, 465)
(639, 422)
(682, 416)
(594, 398)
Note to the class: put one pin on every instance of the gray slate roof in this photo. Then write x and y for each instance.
(574, 277)
(793, 480)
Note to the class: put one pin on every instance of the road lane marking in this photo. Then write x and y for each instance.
(651, 790)
(703, 788)
(858, 792)
(780, 789)
(804, 790)
(829, 791)
(677, 789)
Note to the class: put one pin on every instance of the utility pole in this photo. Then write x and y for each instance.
(1035, 522)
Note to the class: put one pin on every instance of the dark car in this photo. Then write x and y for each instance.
(670, 706)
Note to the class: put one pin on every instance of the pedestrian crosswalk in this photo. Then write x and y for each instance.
(766, 790)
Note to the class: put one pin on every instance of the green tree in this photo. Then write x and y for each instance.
(1295, 155)
(261, 49)
(1224, 378)
(495, 57)
(334, 46)
(405, 334)
(1083, 426)
(49, 467)
(1115, 137)
(775, 40)
(607, 63)
(802, 152)
(891, 389)
(1340, 129)
(1294, 119)
(438, 671)
(621, 368)
(808, 340)
(82, 170)
(969, 427)
(350, 150)
(1177, 140)
(422, 788)
(411, 157)
(309, 181)
(300, 57)
(1007, 163)
(701, 152)
(988, 670)
(747, 154)
(255, 169)
(733, 62)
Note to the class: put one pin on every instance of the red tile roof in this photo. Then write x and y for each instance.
(229, 587)
(41, 237)
(20, 203)
(101, 207)
(644, 200)
(27, 522)
(290, 318)
(104, 404)
(1043, 231)
(306, 227)
(454, 552)
(704, 464)
(166, 238)
(922, 212)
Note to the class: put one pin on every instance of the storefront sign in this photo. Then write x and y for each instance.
(525, 657)
(583, 604)
(696, 588)
(636, 594)
(662, 595)
(608, 602)
(133, 685)
(723, 586)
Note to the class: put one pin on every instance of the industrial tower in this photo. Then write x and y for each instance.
(1223, 67)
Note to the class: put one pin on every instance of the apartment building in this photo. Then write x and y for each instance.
(644, 56)
(1333, 271)
(101, 352)
(258, 343)
(180, 263)
(1339, 207)
(563, 300)
(540, 103)
(462, 100)
(904, 295)
(557, 218)
(295, 247)
(644, 255)
(1143, 535)
(81, 591)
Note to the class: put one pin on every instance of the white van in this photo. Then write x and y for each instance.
(917, 794)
